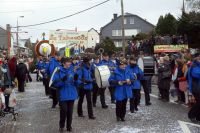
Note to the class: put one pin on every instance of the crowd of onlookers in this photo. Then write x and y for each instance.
(14, 72)
(180, 74)
(147, 45)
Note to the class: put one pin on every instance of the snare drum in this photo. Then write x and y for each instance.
(102, 74)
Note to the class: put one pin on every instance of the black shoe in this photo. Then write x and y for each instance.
(113, 101)
(61, 130)
(136, 109)
(81, 115)
(53, 106)
(193, 120)
(69, 129)
(105, 106)
(132, 111)
(165, 100)
(122, 119)
(118, 119)
(147, 104)
(160, 98)
(6, 110)
(92, 117)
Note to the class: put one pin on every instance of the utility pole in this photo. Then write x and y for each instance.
(17, 35)
(123, 32)
(8, 29)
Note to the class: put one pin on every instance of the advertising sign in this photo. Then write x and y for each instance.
(68, 38)
(169, 48)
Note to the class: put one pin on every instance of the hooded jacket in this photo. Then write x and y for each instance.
(138, 74)
(66, 86)
(53, 63)
(121, 91)
(110, 64)
(194, 76)
(85, 77)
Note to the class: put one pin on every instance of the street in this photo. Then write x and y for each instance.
(36, 116)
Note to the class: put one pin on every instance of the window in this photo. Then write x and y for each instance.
(116, 33)
(125, 21)
(118, 43)
(132, 21)
(130, 32)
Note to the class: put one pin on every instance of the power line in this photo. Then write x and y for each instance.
(79, 12)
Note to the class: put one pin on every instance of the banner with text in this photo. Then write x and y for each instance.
(169, 48)
(68, 39)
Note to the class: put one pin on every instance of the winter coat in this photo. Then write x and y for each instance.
(53, 63)
(193, 76)
(39, 65)
(12, 64)
(164, 70)
(6, 79)
(66, 87)
(121, 91)
(110, 64)
(21, 72)
(138, 74)
(85, 79)
(164, 75)
(93, 66)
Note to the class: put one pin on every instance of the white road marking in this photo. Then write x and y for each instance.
(184, 126)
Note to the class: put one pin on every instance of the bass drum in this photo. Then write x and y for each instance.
(147, 65)
(102, 74)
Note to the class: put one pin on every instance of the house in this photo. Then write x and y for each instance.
(93, 38)
(133, 25)
(3, 39)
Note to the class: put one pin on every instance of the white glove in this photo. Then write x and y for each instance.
(120, 83)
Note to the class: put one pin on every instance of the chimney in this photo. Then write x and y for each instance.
(114, 16)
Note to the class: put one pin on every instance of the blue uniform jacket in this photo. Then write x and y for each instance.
(193, 72)
(67, 89)
(121, 91)
(110, 64)
(138, 74)
(53, 63)
(85, 77)
(39, 65)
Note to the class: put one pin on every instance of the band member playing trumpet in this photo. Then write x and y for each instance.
(122, 81)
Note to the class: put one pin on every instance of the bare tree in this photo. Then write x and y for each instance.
(193, 5)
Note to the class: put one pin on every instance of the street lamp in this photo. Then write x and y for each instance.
(17, 34)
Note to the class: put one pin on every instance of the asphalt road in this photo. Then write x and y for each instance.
(36, 116)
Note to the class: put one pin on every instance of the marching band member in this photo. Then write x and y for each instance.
(45, 76)
(122, 79)
(136, 85)
(64, 80)
(194, 87)
(112, 66)
(53, 63)
(85, 80)
(146, 84)
(95, 86)
(39, 67)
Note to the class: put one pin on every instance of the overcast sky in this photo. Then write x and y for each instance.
(36, 11)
